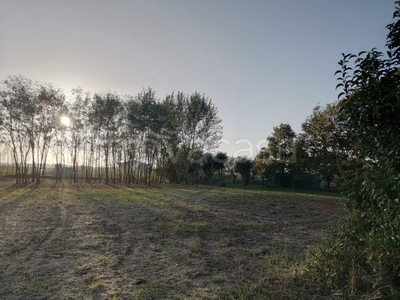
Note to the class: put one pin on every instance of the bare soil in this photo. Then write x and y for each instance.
(93, 241)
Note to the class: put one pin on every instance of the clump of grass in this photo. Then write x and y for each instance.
(161, 290)
(217, 278)
(96, 286)
(226, 240)
(244, 292)
(106, 260)
(194, 245)
(38, 287)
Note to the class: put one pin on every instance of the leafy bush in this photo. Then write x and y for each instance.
(361, 257)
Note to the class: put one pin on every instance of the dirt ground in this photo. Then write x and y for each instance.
(93, 241)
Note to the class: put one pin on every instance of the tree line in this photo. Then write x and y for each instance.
(131, 139)
(324, 147)
(106, 136)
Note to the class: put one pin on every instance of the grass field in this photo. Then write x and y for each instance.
(93, 241)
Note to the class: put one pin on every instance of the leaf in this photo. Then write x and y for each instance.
(337, 72)
(339, 85)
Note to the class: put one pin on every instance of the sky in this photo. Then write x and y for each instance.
(262, 62)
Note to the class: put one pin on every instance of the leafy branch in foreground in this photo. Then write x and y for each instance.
(361, 258)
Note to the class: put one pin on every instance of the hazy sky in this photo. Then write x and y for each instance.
(261, 62)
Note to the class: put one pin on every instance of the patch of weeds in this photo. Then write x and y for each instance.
(96, 286)
(218, 278)
(101, 259)
(272, 291)
(226, 240)
(284, 260)
(159, 290)
(160, 226)
(90, 277)
(153, 291)
(38, 287)
(245, 292)
(106, 261)
(82, 269)
(194, 245)
(181, 228)
(93, 282)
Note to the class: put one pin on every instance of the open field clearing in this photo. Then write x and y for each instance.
(93, 241)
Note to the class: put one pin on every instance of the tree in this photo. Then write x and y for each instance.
(192, 127)
(280, 147)
(147, 118)
(17, 97)
(214, 163)
(230, 168)
(243, 166)
(261, 164)
(78, 115)
(106, 116)
(50, 107)
(31, 114)
(208, 166)
(202, 129)
(324, 143)
(219, 162)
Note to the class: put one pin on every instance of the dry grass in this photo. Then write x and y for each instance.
(92, 241)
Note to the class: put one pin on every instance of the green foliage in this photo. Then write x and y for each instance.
(280, 144)
(230, 168)
(324, 144)
(178, 129)
(213, 163)
(38, 286)
(219, 161)
(243, 166)
(217, 279)
(244, 292)
(262, 163)
(281, 150)
(361, 259)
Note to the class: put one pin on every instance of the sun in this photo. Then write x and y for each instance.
(66, 121)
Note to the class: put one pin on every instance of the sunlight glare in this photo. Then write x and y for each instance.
(66, 121)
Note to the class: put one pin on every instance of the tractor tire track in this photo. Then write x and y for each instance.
(36, 222)
(52, 234)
